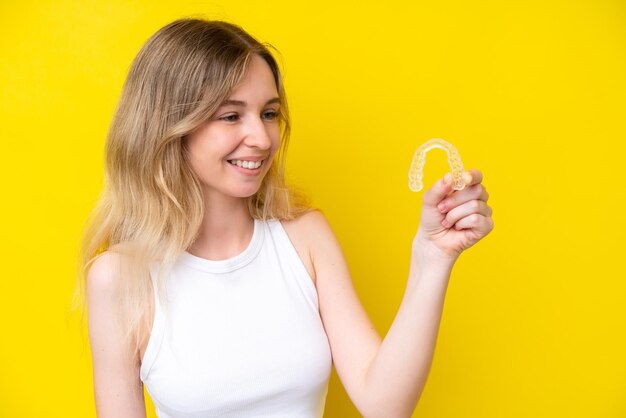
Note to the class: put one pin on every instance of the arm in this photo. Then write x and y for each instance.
(386, 378)
(382, 378)
(398, 373)
(118, 389)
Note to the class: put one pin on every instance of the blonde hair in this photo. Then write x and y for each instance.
(151, 206)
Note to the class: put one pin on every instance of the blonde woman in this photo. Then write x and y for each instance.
(214, 284)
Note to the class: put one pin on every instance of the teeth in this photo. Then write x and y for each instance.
(250, 165)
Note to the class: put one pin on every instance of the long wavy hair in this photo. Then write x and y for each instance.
(151, 206)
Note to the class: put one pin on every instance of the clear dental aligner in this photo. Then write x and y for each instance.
(416, 172)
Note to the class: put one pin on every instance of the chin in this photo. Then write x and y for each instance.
(247, 193)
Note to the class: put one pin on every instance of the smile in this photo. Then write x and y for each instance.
(250, 165)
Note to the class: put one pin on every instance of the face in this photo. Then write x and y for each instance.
(232, 152)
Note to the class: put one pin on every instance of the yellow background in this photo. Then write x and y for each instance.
(532, 93)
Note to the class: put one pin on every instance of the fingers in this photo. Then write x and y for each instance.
(474, 191)
(476, 223)
(468, 208)
(472, 177)
(445, 197)
(467, 215)
(440, 190)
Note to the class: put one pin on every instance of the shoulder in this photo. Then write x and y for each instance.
(105, 272)
(312, 227)
(116, 363)
(103, 283)
(308, 232)
(307, 222)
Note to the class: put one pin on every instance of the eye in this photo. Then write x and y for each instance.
(230, 118)
(271, 115)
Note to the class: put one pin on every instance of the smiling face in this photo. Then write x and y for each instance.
(232, 152)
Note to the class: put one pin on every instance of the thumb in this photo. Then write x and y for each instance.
(440, 190)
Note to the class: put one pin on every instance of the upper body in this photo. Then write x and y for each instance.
(231, 158)
(208, 171)
(239, 337)
(352, 337)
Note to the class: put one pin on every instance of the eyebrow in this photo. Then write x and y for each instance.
(242, 103)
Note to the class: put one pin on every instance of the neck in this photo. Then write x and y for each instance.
(226, 229)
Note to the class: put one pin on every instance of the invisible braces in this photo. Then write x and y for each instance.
(416, 172)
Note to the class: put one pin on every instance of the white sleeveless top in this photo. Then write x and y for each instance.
(240, 337)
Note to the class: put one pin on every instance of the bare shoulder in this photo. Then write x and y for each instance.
(304, 232)
(107, 270)
(117, 385)
(103, 274)
(103, 278)
(106, 273)
(308, 221)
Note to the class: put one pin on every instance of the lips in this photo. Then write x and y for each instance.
(247, 164)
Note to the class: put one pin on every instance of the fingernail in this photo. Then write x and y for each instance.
(441, 207)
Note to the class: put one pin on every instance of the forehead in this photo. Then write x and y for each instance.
(257, 82)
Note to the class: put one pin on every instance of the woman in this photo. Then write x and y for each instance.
(212, 282)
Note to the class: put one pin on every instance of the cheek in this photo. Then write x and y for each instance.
(204, 144)
(202, 150)
(276, 140)
(201, 159)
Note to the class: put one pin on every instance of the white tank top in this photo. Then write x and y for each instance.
(240, 337)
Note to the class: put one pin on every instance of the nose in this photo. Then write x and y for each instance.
(258, 134)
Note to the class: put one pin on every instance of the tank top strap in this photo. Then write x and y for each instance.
(286, 248)
(156, 333)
